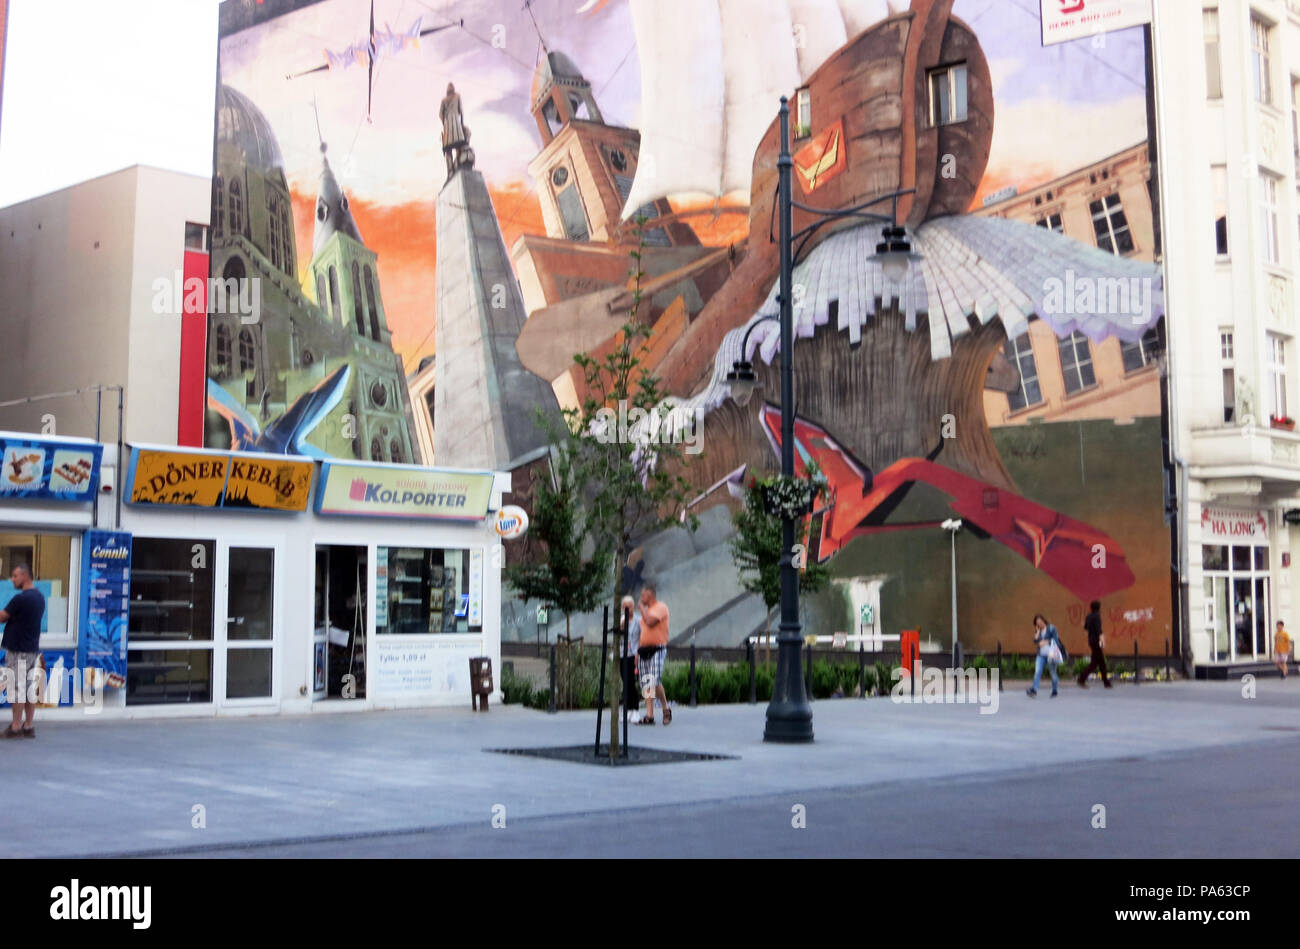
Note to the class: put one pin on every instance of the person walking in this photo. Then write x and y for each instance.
(1281, 648)
(1096, 642)
(652, 652)
(1050, 653)
(631, 640)
(22, 646)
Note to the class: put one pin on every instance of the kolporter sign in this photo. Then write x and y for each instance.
(402, 491)
(49, 470)
(191, 479)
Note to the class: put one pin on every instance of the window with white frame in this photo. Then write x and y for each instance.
(1051, 222)
(803, 114)
(948, 95)
(1021, 355)
(1213, 71)
(1110, 225)
(1229, 376)
(1268, 218)
(1276, 351)
(1259, 61)
(52, 560)
(1219, 175)
(1076, 363)
(1141, 352)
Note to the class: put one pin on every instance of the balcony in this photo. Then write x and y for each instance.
(1258, 452)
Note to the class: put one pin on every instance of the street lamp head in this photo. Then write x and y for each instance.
(952, 524)
(742, 381)
(895, 254)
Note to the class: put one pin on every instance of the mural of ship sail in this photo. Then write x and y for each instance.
(700, 126)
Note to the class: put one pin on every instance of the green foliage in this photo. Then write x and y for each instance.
(515, 689)
(884, 678)
(756, 548)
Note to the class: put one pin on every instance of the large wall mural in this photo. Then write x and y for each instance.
(436, 199)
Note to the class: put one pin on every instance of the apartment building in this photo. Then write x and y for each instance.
(1228, 79)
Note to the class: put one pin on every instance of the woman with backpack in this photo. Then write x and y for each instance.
(1050, 653)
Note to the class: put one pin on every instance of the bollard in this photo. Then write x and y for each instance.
(862, 668)
(692, 675)
(1168, 675)
(1000, 665)
(749, 655)
(551, 710)
(1137, 673)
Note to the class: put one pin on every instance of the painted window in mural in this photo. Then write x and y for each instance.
(1020, 352)
(948, 95)
(1076, 363)
(358, 312)
(223, 349)
(1110, 225)
(374, 307)
(236, 206)
(1140, 353)
(1052, 222)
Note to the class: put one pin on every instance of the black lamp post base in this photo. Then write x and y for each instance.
(789, 715)
(792, 729)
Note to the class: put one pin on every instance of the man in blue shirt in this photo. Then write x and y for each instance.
(22, 646)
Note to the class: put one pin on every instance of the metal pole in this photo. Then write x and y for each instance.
(955, 657)
(1168, 676)
(600, 698)
(1000, 685)
(692, 675)
(94, 501)
(862, 669)
(551, 710)
(789, 716)
(749, 655)
(1137, 673)
(119, 476)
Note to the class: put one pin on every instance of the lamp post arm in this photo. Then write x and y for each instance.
(744, 343)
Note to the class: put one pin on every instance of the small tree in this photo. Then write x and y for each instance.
(634, 475)
(567, 580)
(756, 551)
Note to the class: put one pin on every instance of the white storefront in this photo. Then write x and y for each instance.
(1238, 575)
(368, 595)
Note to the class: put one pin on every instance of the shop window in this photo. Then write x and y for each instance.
(374, 307)
(169, 638)
(1076, 363)
(358, 312)
(50, 559)
(426, 591)
(1110, 225)
(948, 95)
(1021, 355)
(1214, 557)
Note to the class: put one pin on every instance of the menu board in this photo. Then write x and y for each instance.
(48, 470)
(105, 602)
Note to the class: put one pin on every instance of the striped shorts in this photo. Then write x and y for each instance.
(652, 669)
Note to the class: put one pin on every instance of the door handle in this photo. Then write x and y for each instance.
(235, 619)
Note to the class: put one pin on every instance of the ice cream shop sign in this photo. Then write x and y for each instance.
(1220, 524)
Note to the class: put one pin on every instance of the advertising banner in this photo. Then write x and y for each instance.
(190, 479)
(49, 470)
(1075, 19)
(389, 491)
(105, 603)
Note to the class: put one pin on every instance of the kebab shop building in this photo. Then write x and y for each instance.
(239, 583)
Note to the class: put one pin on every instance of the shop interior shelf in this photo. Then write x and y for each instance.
(406, 554)
(162, 604)
(142, 573)
(178, 635)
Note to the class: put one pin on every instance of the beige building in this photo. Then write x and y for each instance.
(79, 309)
(1106, 204)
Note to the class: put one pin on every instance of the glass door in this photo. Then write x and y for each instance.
(246, 660)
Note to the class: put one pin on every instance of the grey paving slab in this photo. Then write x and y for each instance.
(103, 787)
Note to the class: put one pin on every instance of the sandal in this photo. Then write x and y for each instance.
(29, 732)
(646, 721)
(11, 732)
(668, 716)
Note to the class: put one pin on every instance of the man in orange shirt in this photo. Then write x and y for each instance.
(1281, 648)
(652, 652)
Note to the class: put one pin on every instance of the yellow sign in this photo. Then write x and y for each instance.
(407, 492)
(266, 482)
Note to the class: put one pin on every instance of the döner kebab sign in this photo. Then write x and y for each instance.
(403, 491)
(215, 479)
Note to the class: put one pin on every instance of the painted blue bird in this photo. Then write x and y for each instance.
(288, 434)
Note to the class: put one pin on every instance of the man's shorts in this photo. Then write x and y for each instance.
(652, 669)
(24, 671)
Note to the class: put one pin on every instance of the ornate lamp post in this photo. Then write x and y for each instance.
(789, 716)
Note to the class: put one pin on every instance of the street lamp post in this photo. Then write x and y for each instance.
(789, 716)
(952, 526)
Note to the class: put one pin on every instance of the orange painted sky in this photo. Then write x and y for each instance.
(405, 238)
